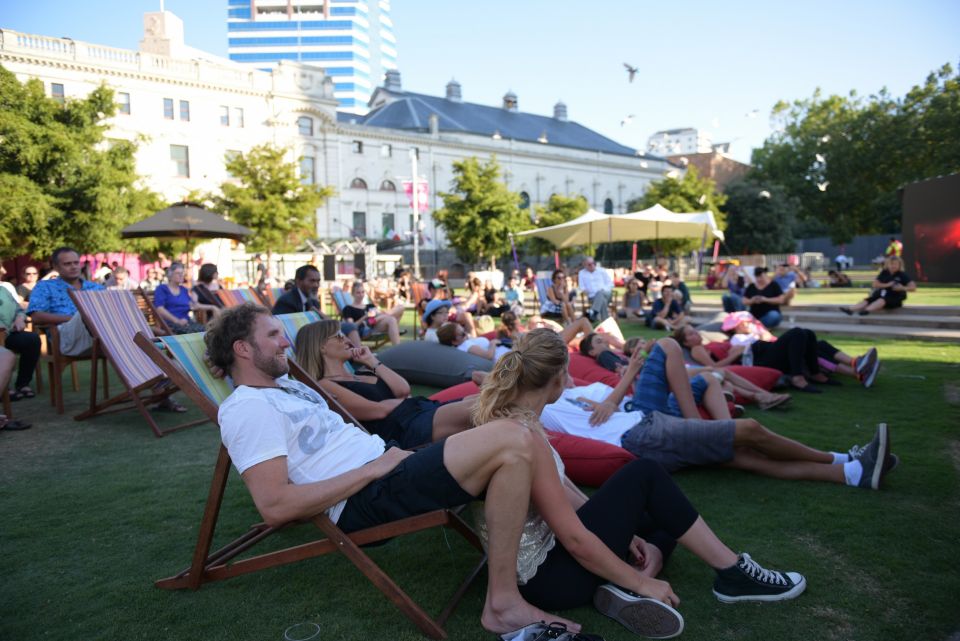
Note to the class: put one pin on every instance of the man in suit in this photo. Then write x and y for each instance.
(303, 298)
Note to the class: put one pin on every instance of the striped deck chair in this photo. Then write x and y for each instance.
(188, 371)
(341, 300)
(234, 297)
(270, 295)
(542, 285)
(292, 324)
(150, 313)
(113, 318)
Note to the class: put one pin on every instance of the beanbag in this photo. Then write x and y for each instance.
(425, 363)
(765, 377)
(463, 390)
(587, 461)
(718, 350)
(587, 369)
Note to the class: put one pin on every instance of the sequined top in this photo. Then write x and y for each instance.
(536, 540)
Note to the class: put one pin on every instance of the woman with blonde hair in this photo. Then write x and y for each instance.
(890, 289)
(376, 395)
(573, 548)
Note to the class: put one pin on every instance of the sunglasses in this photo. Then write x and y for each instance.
(340, 336)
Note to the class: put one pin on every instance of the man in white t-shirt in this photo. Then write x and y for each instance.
(298, 458)
(597, 411)
(598, 286)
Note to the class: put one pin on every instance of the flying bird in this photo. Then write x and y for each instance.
(823, 186)
(764, 194)
(631, 71)
(627, 120)
(821, 159)
(752, 114)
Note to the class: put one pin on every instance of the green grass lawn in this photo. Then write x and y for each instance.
(95, 511)
(925, 295)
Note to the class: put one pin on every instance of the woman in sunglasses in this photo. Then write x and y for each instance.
(376, 395)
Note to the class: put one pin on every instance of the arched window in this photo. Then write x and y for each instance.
(608, 206)
(358, 183)
(305, 125)
(387, 185)
(524, 200)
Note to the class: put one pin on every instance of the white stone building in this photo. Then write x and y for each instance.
(192, 109)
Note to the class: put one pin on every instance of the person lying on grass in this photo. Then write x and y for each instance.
(299, 458)
(374, 393)
(573, 548)
(651, 431)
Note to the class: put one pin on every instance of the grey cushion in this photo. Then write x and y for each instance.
(427, 363)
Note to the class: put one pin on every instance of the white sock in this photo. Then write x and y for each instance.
(840, 457)
(853, 472)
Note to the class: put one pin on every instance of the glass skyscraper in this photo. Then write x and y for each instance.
(352, 40)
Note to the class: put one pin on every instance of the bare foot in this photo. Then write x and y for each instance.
(517, 615)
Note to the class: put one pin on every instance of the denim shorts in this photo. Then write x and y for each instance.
(419, 484)
(651, 391)
(676, 443)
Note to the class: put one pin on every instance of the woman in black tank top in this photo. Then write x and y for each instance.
(376, 395)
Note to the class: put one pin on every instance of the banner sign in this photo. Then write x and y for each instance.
(423, 190)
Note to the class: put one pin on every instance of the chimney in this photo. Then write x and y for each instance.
(453, 91)
(510, 101)
(560, 112)
(434, 125)
(391, 81)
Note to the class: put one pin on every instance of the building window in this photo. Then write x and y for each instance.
(123, 103)
(56, 92)
(224, 116)
(357, 146)
(388, 185)
(229, 156)
(524, 200)
(387, 222)
(608, 206)
(180, 155)
(185, 110)
(386, 151)
(168, 108)
(238, 117)
(358, 183)
(307, 165)
(359, 224)
(305, 125)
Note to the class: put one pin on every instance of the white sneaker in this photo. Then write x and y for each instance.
(641, 615)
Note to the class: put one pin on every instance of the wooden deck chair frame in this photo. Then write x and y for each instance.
(157, 322)
(112, 317)
(377, 338)
(419, 291)
(208, 566)
(57, 362)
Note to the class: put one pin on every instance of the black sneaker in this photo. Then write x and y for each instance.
(748, 581)
(641, 615)
(875, 458)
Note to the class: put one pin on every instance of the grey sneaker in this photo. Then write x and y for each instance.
(865, 365)
(874, 370)
(873, 457)
(641, 615)
(888, 466)
(748, 581)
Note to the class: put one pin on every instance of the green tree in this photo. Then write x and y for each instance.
(61, 180)
(844, 157)
(267, 196)
(559, 209)
(686, 193)
(759, 218)
(479, 213)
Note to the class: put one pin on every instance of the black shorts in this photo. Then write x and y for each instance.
(419, 484)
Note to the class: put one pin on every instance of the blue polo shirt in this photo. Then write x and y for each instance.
(51, 296)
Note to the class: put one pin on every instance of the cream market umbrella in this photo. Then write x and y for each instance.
(592, 227)
(658, 222)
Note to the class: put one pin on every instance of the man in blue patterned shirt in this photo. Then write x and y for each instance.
(50, 302)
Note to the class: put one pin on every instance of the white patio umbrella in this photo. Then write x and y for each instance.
(658, 222)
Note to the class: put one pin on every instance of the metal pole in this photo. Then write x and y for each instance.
(416, 215)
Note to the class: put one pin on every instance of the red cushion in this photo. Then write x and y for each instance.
(765, 377)
(492, 334)
(718, 350)
(588, 461)
(456, 392)
(587, 369)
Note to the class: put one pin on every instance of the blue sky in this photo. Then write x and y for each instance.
(701, 64)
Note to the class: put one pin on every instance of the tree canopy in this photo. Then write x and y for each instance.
(62, 182)
(844, 157)
(267, 196)
(760, 218)
(686, 193)
(479, 213)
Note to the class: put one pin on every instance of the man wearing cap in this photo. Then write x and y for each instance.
(434, 316)
(598, 286)
(439, 290)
